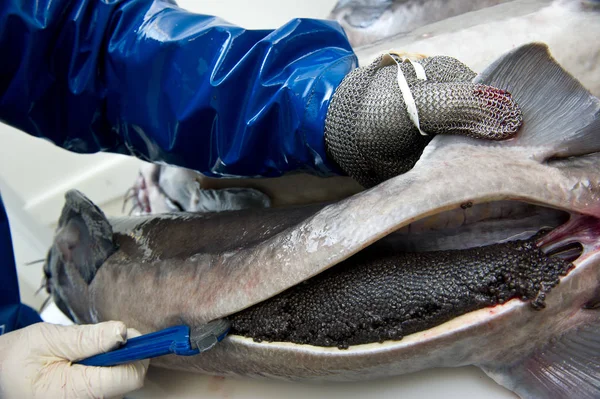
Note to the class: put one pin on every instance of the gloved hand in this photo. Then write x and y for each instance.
(369, 132)
(35, 362)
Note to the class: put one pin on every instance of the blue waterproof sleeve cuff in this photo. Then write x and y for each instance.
(147, 78)
(13, 314)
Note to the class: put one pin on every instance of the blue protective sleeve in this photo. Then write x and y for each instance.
(147, 78)
(13, 314)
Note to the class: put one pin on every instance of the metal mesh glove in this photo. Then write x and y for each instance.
(368, 131)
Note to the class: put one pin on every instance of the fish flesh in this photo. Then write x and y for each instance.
(485, 254)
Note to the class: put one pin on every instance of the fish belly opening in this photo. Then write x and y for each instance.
(388, 291)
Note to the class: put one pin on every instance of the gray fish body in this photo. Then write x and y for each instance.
(368, 21)
(570, 28)
(191, 269)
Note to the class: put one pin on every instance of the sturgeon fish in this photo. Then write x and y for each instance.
(485, 254)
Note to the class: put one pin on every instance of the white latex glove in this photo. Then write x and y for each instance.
(35, 362)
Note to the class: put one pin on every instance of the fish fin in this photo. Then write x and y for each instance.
(84, 236)
(558, 112)
(567, 367)
(228, 199)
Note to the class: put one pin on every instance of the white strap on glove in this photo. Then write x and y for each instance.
(35, 362)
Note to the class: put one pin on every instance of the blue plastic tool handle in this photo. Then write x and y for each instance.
(172, 340)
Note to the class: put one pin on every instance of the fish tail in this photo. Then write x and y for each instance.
(559, 114)
(566, 367)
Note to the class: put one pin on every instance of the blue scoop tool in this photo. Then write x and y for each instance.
(178, 340)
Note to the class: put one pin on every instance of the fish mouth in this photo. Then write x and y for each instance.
(429, 272)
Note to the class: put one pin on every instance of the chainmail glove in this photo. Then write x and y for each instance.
(370, 134)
